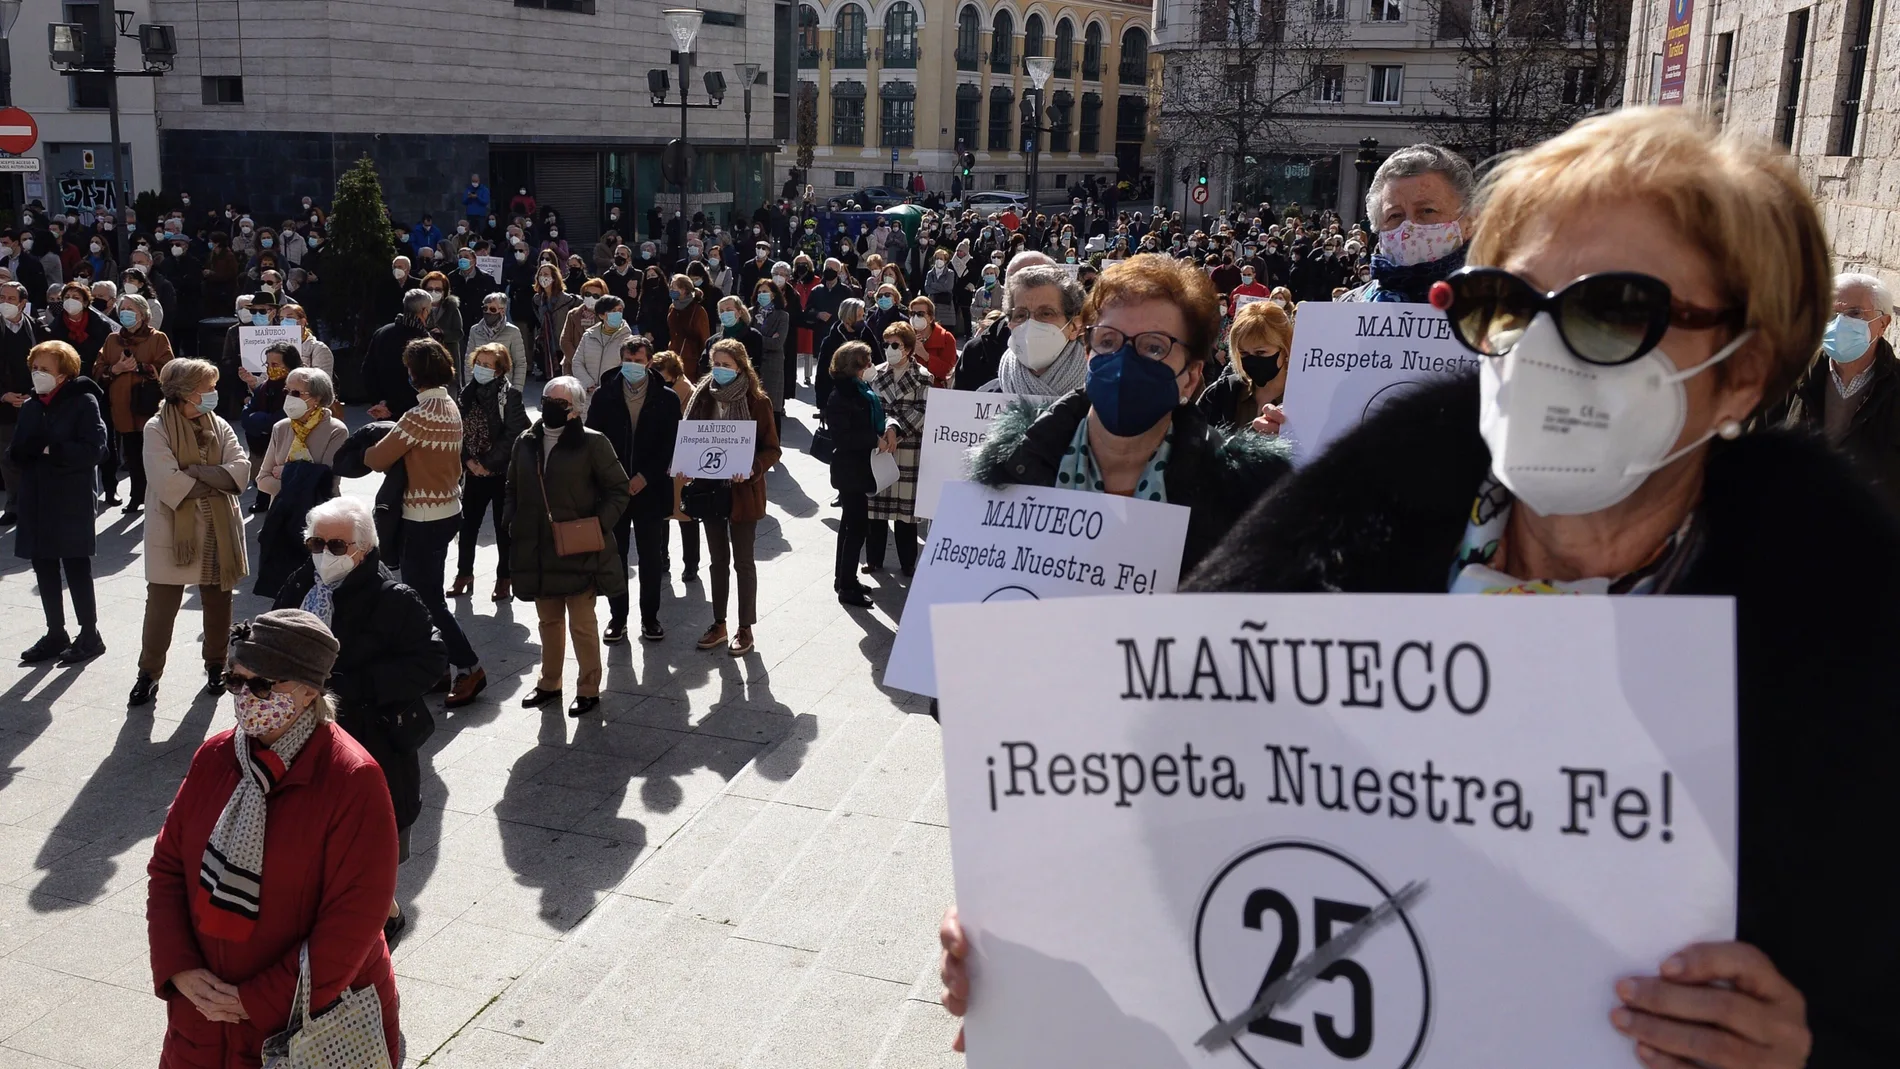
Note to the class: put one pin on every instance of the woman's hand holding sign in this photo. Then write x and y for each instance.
(956, 975)
(1681, 1020)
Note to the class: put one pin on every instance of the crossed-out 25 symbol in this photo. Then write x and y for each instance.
(713, 460)
(1270, 907)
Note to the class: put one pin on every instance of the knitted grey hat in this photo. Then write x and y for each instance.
(285, 645)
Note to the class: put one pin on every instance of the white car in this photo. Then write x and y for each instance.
(994, 200)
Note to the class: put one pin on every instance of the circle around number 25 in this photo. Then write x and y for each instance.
(713, 460)
(1271, 907)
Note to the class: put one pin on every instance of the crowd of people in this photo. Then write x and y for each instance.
(1675, 278)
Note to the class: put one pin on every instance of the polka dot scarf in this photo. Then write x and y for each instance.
(1078, 470)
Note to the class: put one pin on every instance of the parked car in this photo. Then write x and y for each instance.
(878, 197)
(992, 200)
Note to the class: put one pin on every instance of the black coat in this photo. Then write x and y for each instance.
(89, 343)
(847, 416)
(15, 376)
(1873, 435)
(389, 659)
(978, 364)
(305, 485)
(385, 378)
(1218, 475)
(58, 446)
(646, 450)
(505, 424)
(1383, 511)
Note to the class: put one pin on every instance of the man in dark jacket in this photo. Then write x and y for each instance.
(17, 338)
(385, 378)
(645, 449)
(185, 272)
(389, 655)
(1851, 394)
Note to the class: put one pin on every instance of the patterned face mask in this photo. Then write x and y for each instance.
(1409, 244)
(257, 717)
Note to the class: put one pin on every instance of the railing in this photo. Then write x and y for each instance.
(903, 56)
(1134, 72)
(848, 57)
(809, 57)
(1001, 60)
(1092, 69)
(967, 59)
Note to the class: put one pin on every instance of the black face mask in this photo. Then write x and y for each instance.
(1260, 370)
(556, 413)
(830, 277)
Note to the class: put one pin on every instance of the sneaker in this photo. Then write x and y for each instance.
(84, 648)
(51, 645)
(615, 634)
(651, 631)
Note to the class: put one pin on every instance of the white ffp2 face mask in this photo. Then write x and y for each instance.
(1036, 344)
(1568, 437)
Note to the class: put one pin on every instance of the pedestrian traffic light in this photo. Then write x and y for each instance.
(1200, 177)
(969, 162)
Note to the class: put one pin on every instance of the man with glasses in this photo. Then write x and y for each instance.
(388, 658)
(1852, 391)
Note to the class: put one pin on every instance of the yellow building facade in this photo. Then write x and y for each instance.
(893, 88)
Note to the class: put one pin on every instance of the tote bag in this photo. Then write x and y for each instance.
(348, 1035)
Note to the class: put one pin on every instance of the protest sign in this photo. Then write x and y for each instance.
(252, 341)
(1348, 359)
(714, 448)
(955, 422)
(1160, 805)
(1018, 543)
(490, 266)
(1245, 299)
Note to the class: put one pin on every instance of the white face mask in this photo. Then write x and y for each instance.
(10, 310)
(295, 407)
(919, 323)
(1036, 344)
(894, 354)
(1561, 462)
(399, 273)
(73, 306)
(43, 382)
(332, 567)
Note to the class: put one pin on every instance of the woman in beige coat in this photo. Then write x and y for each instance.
(195, 467)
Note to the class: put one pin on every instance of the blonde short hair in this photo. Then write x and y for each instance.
(181, 378)
(1741, 202)
(1260, 324)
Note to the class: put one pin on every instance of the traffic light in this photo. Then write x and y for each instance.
(969, 162)
(1200, 175)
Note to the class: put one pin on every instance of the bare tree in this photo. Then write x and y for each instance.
(1531, 69)
(1247, 83)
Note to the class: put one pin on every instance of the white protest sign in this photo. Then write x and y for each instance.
(714, 448)
(252, 341)
(1245, 299)
(1159, 805)
(490, 266)
(1025, 543)
(1348, 359)
(955, 421)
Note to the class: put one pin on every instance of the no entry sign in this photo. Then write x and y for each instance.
(1199, 194)
(18, 131)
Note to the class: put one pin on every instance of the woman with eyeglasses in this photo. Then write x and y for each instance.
(1133, 429)
(279, 849)
(389, 658)
(1649, 284)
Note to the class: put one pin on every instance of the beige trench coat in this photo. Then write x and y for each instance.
(165, 490)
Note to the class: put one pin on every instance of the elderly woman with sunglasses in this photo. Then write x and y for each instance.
(1648, 285)
(1133, 429)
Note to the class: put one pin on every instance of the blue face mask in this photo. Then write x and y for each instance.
(728, 317)
(884, 304)
(465, 263)
(267, 242)
(614, 319)
(646, 254)
(128, 318)
(208, 402)
(635, 374)
(260, 319)
(1130, 392)
(482, 375)
(723, 376)
(765, 300)
(1846, 339)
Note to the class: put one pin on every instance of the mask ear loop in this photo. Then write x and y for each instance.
(1727, 429)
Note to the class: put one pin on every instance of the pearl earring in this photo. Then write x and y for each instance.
(1729, 430)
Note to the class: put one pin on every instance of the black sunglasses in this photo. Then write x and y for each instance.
(1607, 319)
(339, 546)
(257, 685)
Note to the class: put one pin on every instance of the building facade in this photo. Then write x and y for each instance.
(1815, 78)
(75, 142)
(1354, 80)
(275, 101)
(894, 88)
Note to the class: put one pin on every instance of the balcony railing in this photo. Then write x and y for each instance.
(1092, 69)
(1131, 73)
(1001, 60)
(848, 57)
(903, 56)
(808, 57)
(967, 59)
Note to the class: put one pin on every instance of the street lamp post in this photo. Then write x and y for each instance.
(71, 52)
(9, 14)
(1366, 163)
(1040, 68)
(748, 73)
(682, 24)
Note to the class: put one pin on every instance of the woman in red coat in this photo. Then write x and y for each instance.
(937, 346)
(282, 833)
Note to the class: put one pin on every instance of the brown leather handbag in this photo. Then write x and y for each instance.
(572, 538)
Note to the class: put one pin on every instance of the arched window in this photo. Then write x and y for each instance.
(1065, 49)
(1134, 66)
(1032, 37)
(1002, 43)
(969, 32)
(808, 48)
(848, 39)
(900, 35)
(1092, 52)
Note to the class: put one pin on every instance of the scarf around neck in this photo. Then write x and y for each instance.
(195, 441)
(1395, 283)
(300, 433)
(231, 874)
(1069, 372)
